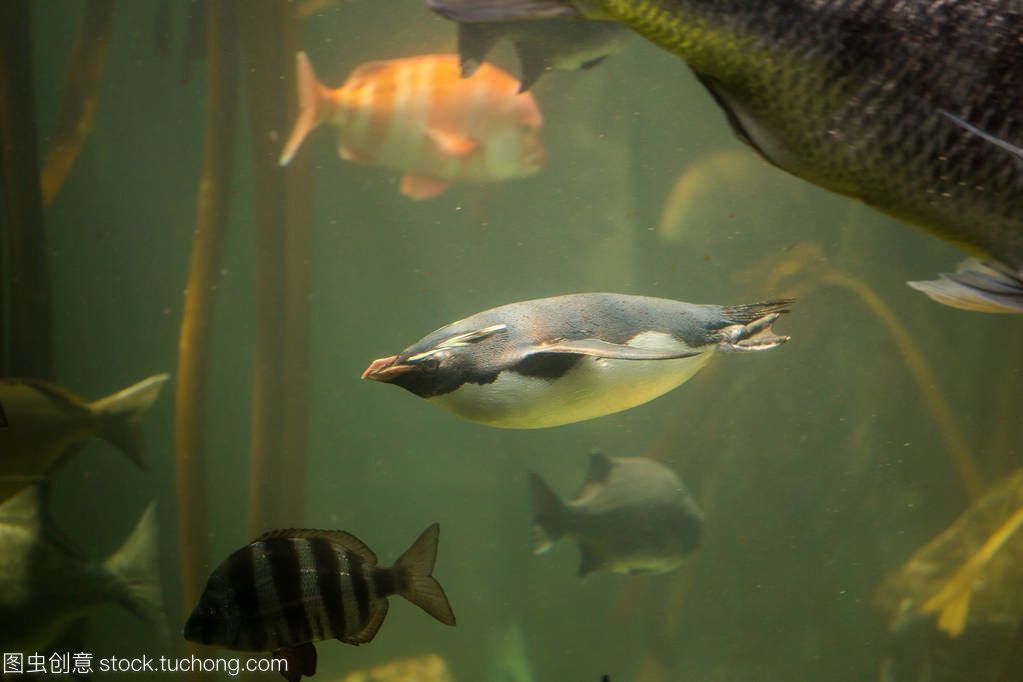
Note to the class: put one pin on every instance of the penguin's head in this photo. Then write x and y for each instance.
(441, 362)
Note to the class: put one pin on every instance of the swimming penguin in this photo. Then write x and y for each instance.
(564, 359)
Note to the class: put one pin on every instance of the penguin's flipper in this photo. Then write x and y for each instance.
(612, 351)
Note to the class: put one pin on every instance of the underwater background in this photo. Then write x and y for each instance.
(820, 468)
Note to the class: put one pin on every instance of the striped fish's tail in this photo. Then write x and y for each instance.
(312, 109)
(413, 573)
(748, 327)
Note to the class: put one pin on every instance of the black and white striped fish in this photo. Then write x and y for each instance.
(290, 588)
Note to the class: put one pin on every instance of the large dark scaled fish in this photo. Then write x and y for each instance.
(563, 359)
(41, 424)
(632, 515)
(541, 46)
(46, 585)
(290, 588)
(881, 100)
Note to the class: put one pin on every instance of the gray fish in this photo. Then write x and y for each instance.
(41, 424)
(632, 515)
(866, 98)
(559, 360)
(541, 46)
(46, 585)
(290, 588)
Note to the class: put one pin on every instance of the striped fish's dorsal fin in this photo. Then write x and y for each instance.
(337, 537)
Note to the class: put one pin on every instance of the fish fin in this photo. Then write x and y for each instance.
(981, 286)
(54, 392)
(550, 516)
(606, 349)
(593, 63)
(474, 42)
(414, 576)
(134, 567)
(369, 630)
(422, 187)
(312, 109)
(501, 10)
(25, 509)
(452, 144)
(339, 537)
(600, 468)
(748, 327)
(120, 416)
(983, 134)
(588, 561)
(532, 65)
(299, 660)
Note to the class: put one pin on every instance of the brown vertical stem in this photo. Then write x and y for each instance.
(30, 305)
(200, 295)
(297, 275)
(81, 95)
(269, 35)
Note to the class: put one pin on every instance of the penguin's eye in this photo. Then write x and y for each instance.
(430, 364)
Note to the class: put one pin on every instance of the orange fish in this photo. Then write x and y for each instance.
(420, 116)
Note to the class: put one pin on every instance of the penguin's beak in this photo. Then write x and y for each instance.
(385, 369)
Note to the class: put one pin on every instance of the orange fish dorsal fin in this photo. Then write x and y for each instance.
(422, 187)
(452, 144)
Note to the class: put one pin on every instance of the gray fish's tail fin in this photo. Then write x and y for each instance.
(748, 327)
(550, 516)
(980, 286)
(415, 581)
(501, 10)
(120, 416)
(134, 570)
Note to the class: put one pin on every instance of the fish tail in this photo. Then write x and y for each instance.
(414, 577)
(134, 570)
(550, 517)
(312, 96)
(120, 416)
(502, 10)
(748, 327)
(982, 286)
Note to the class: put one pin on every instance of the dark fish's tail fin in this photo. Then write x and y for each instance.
(550, 517)
(414, 577)
(120, 416)
(502, 10)
(985, 287)
(133, 568)
(312, 97)
(748, 327)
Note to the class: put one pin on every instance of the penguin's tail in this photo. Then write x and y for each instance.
(550, 516)
(748, 327)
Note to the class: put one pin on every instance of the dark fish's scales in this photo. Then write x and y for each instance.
(910, 106)
(290, 588)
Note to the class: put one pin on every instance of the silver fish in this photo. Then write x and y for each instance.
(881, 100)
(632, 515)
(289, 588)
(41, 424)
(564, 359)
(46, 585)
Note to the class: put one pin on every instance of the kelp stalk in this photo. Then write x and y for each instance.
(277, 468)
(196, 326)
(30, 308)
(77, 116)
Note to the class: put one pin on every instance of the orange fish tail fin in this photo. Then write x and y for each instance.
(313, 106)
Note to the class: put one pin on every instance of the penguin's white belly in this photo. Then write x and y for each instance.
(592, 388)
